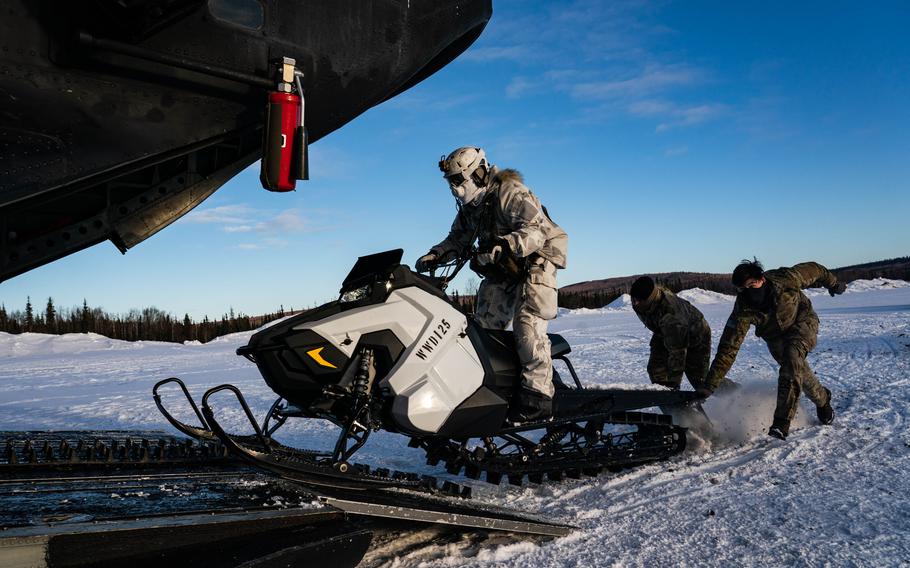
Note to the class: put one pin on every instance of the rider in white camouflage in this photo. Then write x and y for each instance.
(519, 250)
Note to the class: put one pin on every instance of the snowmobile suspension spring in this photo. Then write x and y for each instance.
(552, 437)
(362, 379)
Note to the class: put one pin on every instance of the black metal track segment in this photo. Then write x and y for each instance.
(115, 485)
(136, 475)
(42, 453)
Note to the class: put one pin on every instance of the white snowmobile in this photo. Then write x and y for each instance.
(394, 353)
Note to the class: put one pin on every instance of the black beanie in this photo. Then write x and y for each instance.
(643, 289)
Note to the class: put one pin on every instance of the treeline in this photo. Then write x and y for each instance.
(580, 296)
(893, 268)
(154, 324)
(599, 293)
(465, 301)
(148, 323)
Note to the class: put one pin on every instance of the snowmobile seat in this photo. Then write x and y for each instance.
(558, 345)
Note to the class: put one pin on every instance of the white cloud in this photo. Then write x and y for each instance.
(237, 228)
(245, 219)
(688, 116)
(520, 86)
(673, 115)
(222, 214)
(645, 82)
(289, 221)
(616, 62)
(267, 228)
(274, 242)
(676, 151)
(650, 107)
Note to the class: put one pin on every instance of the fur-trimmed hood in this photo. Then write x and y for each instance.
(507, 175)
(511, 212)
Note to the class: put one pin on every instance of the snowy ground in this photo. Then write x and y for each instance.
(836, 495)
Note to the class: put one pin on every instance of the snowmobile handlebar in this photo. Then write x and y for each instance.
(451, 269)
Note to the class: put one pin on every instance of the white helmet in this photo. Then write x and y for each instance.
(466, 171)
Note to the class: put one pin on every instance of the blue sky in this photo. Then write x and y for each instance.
(661, 135)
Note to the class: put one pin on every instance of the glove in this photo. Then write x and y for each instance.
(427, 262)
(703, 393)
(492, 257)
(837, 289)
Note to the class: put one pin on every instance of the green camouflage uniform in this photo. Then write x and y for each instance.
(789, 326)
(681, 342)
(509, 211)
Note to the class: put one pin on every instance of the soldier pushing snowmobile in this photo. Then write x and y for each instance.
(774, 303)
(519, 250)
(682, 338)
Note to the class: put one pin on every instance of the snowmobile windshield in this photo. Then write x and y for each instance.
(370, 269)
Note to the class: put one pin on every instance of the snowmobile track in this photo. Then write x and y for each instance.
(42, 453)
(91, 476)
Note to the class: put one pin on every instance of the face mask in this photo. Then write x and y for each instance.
(465, 192)
(756, 296)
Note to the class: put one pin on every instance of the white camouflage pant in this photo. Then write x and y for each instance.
(527, 306)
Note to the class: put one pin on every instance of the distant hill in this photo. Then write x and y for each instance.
(599, 293)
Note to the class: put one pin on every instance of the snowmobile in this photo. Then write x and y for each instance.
(394, 353)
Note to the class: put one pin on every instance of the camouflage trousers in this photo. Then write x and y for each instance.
(694, 361)
(790, 350)
(527, 306)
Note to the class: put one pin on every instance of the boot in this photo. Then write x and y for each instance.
(530, 406)
(825, 413)
(779, 430)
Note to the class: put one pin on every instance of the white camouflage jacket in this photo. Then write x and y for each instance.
(508, 210)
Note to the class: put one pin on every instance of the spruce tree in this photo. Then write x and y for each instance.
(50, 316)
(29, 314)
(83, 323)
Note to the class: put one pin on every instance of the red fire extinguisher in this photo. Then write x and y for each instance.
(284, 146)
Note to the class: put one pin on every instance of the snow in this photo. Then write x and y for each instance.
(699, 296)
(623, 303)
(834, 495)
(620, 304)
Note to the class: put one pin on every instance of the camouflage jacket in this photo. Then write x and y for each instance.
(678, 324)
(508, 210)
(787, 303)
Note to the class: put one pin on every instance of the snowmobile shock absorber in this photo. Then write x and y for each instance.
(357, 428)
(551, 438)
(362, 380)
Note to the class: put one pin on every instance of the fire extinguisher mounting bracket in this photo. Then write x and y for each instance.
(288, 66)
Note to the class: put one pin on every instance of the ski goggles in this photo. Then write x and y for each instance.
(455, 179)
